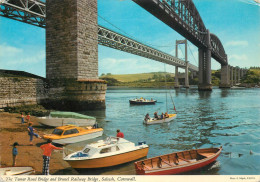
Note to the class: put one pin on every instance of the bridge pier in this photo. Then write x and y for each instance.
(235, 75)
(231, 76)
(176, 84)
(205, 67)
(72, 56)
(225, 77)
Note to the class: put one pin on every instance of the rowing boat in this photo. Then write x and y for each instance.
(177, 162)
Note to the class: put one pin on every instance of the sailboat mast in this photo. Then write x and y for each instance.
(165, 88)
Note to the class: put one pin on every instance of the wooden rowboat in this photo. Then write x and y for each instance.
(177, 162)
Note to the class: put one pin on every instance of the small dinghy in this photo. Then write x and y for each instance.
(159, 121)
(16, 170)
(177, 162)
(72, 134)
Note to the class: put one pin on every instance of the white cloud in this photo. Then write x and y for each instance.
(10, 55)
(130, 66)
(237, 57)
(9, 51)
(237, 43)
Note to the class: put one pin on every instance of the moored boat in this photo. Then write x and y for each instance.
(16, 170)
(105, 153)
(177, 162)
(72, 134)
(59, 118)
(142, 101)
(159, 121)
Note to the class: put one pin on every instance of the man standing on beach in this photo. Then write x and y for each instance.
(47, 149)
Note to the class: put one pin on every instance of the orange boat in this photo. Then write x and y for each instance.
(72, 134)
(105, 153)
(177, 162)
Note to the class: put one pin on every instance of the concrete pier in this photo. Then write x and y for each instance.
(205, 67)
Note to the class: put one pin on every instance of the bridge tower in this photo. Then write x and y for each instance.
(186, 64)
(205, 66)
(72, 56)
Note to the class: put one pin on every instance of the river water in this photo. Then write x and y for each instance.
(223, 117)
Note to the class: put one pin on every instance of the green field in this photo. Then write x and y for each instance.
(134, 77)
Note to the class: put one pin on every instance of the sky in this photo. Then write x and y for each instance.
(235, 22)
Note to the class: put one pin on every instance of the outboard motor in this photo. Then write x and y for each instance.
(142, 143)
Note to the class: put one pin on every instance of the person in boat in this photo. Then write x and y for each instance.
(156, 115)
(47, 149)
(162, 116)
(15, 153)
(166, 115)
(95, 126)
(147, 117)
(119, 134)
(31, 133)
(151, 99)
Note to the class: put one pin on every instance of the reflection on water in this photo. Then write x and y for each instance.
(227, 117)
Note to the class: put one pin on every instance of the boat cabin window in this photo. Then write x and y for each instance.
(105, 150)
(57, 131)
(72, 131)
(86, 150)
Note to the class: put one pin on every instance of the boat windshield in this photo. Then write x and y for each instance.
(86, 150)
(57, 132)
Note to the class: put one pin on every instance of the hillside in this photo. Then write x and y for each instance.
(136, 77)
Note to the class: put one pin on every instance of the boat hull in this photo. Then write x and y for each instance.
(109, 160)
(159, 121)
(55, 122)
(177, 169)
(78, 138)
(142, 103)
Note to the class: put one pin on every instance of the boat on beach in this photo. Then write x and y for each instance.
(16, 170)
(72, 134)
(59, 118)
(177, 162)
(105, 153)
(159, 121)
(142, 101)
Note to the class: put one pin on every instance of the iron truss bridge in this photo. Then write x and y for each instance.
(183, 16)
(33, 12)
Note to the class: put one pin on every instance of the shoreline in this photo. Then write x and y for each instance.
(13, 131)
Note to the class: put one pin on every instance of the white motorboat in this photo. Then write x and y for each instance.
(56, 119)
(105, 153)
(16, 170)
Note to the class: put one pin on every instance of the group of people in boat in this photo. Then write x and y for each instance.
(156, 116)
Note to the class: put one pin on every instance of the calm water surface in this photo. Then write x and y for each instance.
(228, 118)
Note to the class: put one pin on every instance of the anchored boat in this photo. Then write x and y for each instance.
(105, 153)
(142, 101)
(59, 118)
(72, 134)
(177, 162)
